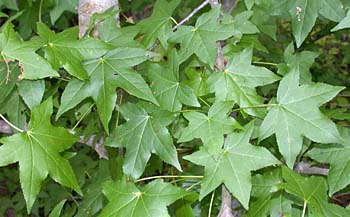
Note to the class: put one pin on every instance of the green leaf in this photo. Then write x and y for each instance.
(159, 24)
(166, 85)
(304, 14)
(338, 157)
(297, 114)
(13, 48)
(14, 107)
(227, 167)
(31, 92)
(201, 39)
(8, 80)
(333, 10)
(142, 134)
(93, 200)
(343, 24)
(38, 153)
(56, 212)
(210, 128)
(271, 201)
(313, 191)
(62, 6)
(274, 205)
(105, 75)
(299, 62)
(65, 49)
(125, 199)
(238, 81)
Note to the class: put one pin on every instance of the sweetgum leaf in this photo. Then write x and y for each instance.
(201, 39)
(338, 157)
(105, 75)
(297, 114)
(143, 134)
(151, 200)
(166, 85)
(14, 48)
(159, 24)
(37, 152)
(233, 165)
(65, 49)
(238, 81)
(31, 91)
(210, 128)
(313, 191)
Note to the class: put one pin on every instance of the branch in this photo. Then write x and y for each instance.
(186, 19)
(307, 168)
(226, 203)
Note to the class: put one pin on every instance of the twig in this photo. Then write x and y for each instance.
(186, 19)
(226, 204)
(10, 124)
(167, 176)
(307, 168)
(211, 203)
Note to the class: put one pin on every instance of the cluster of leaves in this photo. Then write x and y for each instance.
(155, 88)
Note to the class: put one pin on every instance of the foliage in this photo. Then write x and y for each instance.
(144, 121)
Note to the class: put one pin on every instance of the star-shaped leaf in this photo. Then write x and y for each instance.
(38, 153)
(296, 114)
(339, 159)
(142, 134)
(14, 48)
(159, 24)
(305, 12)
(65, 49)
(238, 81)
(166, 85)
(210, 128)
(233, 165)
(313, 191)
(201, 39)
(105, 75)
(125, 199)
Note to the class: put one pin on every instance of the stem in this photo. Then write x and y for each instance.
(256, 106)
(41, 5)
(207, 104)
(211, 203)
(172, 19)
(191, 14)
(189, 188)
(190, 110)
(167, 176)
(265, 63)
(9, 123)
(304, 209)
(81, 118)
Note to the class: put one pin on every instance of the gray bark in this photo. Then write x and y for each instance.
(87, 8)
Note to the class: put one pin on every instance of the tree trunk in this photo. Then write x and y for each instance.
(87, 8)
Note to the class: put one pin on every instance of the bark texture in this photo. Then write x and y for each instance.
(88, 7)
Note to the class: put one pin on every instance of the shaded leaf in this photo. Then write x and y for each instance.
(38, 153)
(13, 48)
